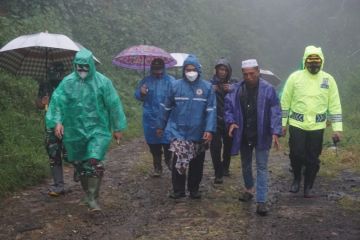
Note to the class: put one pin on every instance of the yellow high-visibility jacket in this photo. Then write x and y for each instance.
(309, 100)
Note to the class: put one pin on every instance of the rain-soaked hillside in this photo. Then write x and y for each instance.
(135, 205)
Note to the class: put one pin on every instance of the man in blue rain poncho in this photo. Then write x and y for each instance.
(189, 115)
(152, 91)
(85, 109)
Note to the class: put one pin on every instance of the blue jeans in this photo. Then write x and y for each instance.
(261, 170)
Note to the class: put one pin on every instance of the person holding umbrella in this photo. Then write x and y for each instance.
(85, 110)
(54, 146)
(189, 119)
(152, 91)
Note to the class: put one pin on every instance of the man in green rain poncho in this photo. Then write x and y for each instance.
(85, 109)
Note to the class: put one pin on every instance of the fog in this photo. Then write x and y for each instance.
(275, 32)
(281, 29)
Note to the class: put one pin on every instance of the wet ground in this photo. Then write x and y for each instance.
(136, 206)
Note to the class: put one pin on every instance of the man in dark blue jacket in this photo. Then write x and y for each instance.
(189, 115)
(253, 115)
(152, 91)
(221, 140)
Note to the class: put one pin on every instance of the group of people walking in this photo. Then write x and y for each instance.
(183, 118)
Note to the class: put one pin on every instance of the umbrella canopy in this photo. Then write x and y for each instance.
(140, 57)
(31, 55)
(180, 58)
(270, 77)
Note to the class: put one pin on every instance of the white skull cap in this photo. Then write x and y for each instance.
(250, 63)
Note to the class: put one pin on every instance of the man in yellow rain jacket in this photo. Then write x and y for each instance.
(310, 98)
(86, 112)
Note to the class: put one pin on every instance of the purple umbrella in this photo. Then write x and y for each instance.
(140, 57)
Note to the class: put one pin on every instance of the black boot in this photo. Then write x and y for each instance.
(157, 165)
(307, 192)
(295, 186)
(307, 188)
(309, 182)
(195, 195)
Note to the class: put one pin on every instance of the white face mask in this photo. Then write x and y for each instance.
(83, 74)
(82, 70)
(191, 76)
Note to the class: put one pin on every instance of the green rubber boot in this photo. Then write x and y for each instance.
(84, 184)
(93, 193)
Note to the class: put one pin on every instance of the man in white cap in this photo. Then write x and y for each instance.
(253, 117)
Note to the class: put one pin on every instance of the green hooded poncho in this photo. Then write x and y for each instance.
(89, 109)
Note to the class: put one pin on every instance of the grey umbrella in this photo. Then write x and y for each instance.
(270, 77)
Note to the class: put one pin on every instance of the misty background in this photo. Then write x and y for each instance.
(275, 32)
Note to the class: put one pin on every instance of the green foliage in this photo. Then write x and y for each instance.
(23, 161)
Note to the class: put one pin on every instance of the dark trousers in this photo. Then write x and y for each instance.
(305, 149)
(220, 139)
(156, 151)
(195, 174)
(57, 153)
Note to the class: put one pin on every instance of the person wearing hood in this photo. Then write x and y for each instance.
(221, 83)
(152, 91)
(253, 117)
(86, 112)
(189, 120)
(310, 98)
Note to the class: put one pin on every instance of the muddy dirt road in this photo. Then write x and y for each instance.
(136, 206)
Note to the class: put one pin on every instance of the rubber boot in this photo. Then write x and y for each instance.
(313, 175)
(307, 189)
(157, 165)
(309, 182)
(295, 186)
(58, 187)
(98, 188)
(84, 184)
(93, 193)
